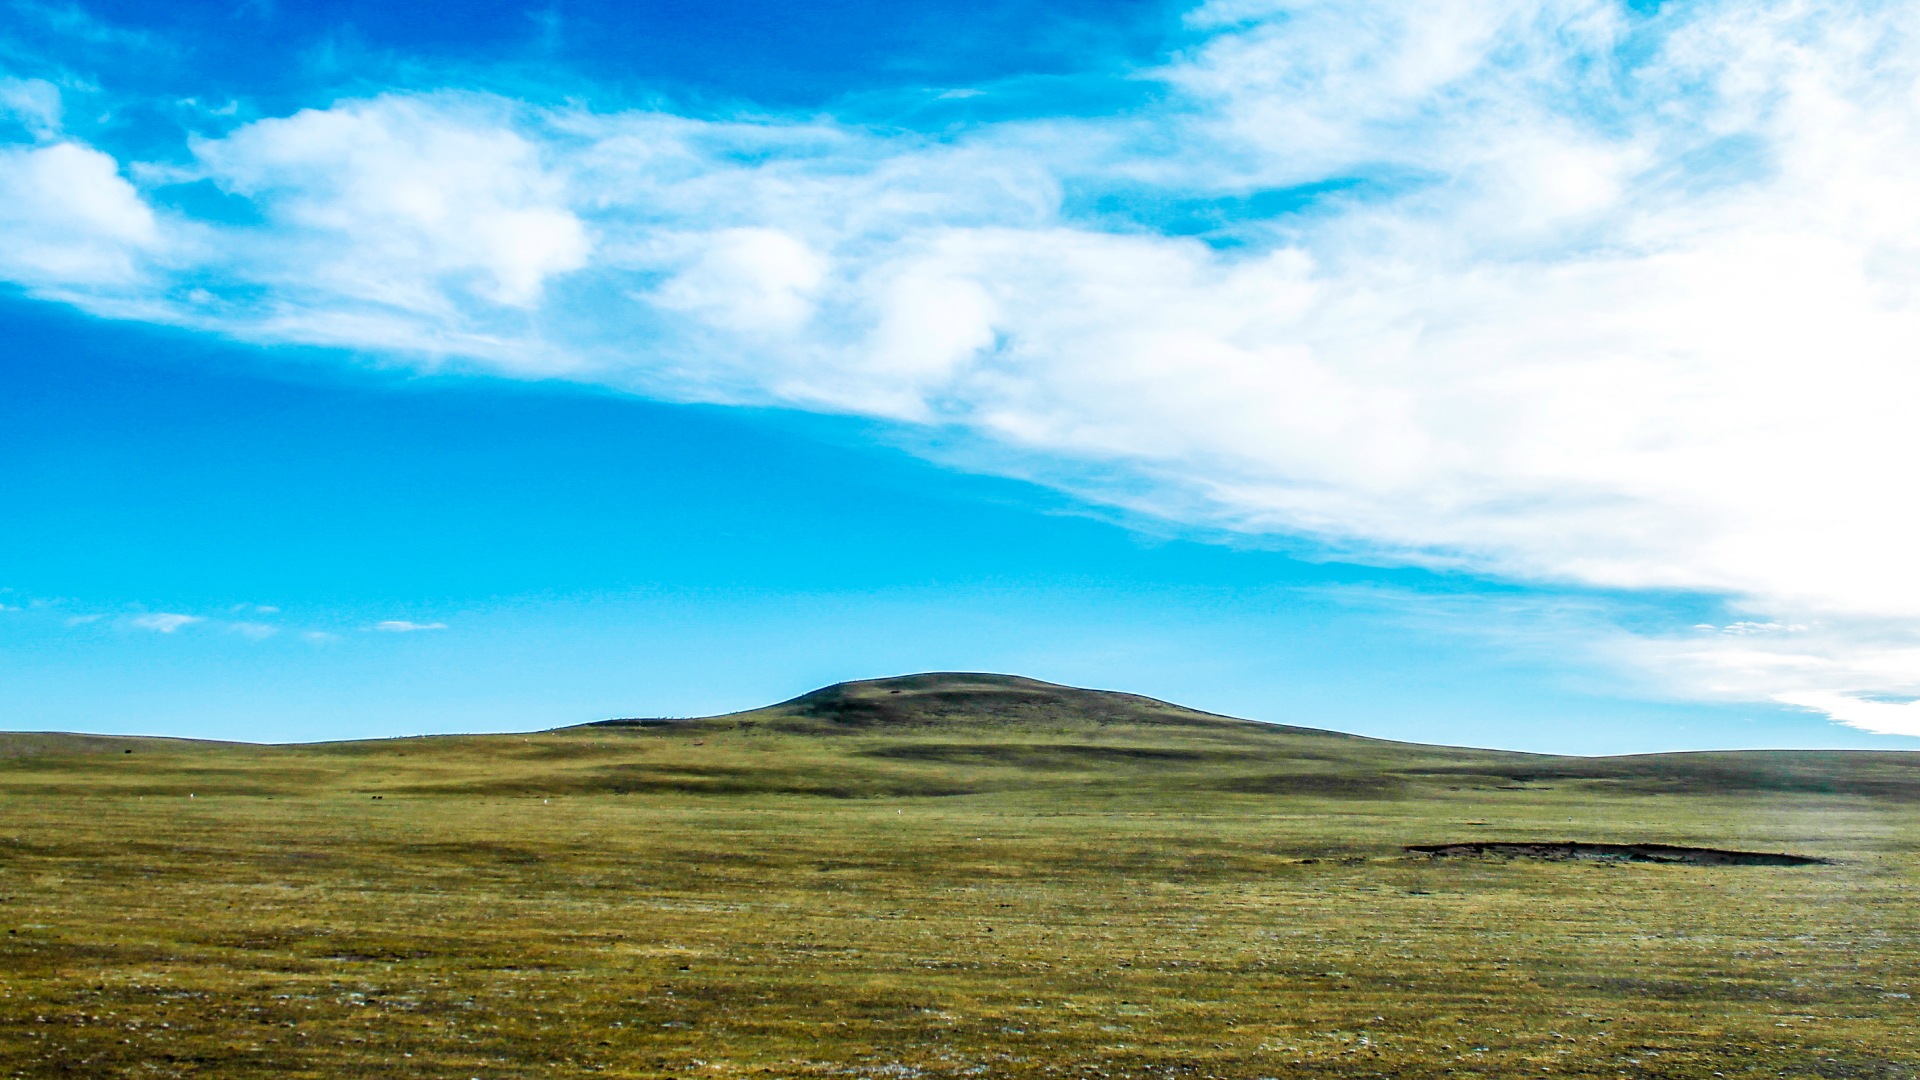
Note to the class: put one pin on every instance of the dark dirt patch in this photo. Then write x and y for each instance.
(1647, 853)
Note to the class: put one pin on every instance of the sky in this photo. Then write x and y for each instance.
(1524, 373)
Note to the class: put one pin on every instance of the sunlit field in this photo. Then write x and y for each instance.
(938, 877)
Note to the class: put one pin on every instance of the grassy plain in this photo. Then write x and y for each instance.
(943, 877)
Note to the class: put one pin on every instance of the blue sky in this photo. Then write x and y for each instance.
(1495, 374)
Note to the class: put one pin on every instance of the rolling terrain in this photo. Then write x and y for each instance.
(946, 875)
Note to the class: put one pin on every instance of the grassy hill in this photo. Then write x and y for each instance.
(938, 734)
(943, 875)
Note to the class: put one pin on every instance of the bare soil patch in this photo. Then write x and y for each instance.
(1646, 853)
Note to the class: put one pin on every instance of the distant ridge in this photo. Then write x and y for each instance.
(938, 734)
(1035, 731)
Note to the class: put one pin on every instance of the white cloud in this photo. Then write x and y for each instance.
(403, 202)
(257, 631)
(402, 626)
(70, 218)
(1879, 717)
(1570, 294)
(33, 103)
(165, 622)
(750, 281)
(1850, 668)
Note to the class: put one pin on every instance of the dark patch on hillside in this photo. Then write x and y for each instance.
(1644, 853)
(1326, 785)
(695, 778)
(1871, 774)
(1046, 755)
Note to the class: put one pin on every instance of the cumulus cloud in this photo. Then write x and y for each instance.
(403, 202)
(1559, 290)
(70, 218)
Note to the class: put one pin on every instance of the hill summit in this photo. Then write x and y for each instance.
(979, 699)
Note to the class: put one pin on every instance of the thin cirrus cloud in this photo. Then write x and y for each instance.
(168, 622)
(1559, 290)
(402, 626)
(164, 622)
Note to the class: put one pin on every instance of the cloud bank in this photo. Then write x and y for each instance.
(1557, 290)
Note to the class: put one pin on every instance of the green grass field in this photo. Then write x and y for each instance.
(943, 876)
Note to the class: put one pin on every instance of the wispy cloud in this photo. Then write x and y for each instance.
(1558, 290)
(165, 622)
(162, 622)
(402, 626)
(74, 23)
(33, 103)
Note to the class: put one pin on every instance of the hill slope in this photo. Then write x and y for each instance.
(934, 734)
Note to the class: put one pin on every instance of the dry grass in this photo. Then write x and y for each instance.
(989, 890)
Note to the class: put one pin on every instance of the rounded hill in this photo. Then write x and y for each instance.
(979, 700)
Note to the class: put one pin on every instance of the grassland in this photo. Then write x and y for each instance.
(943, 877)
